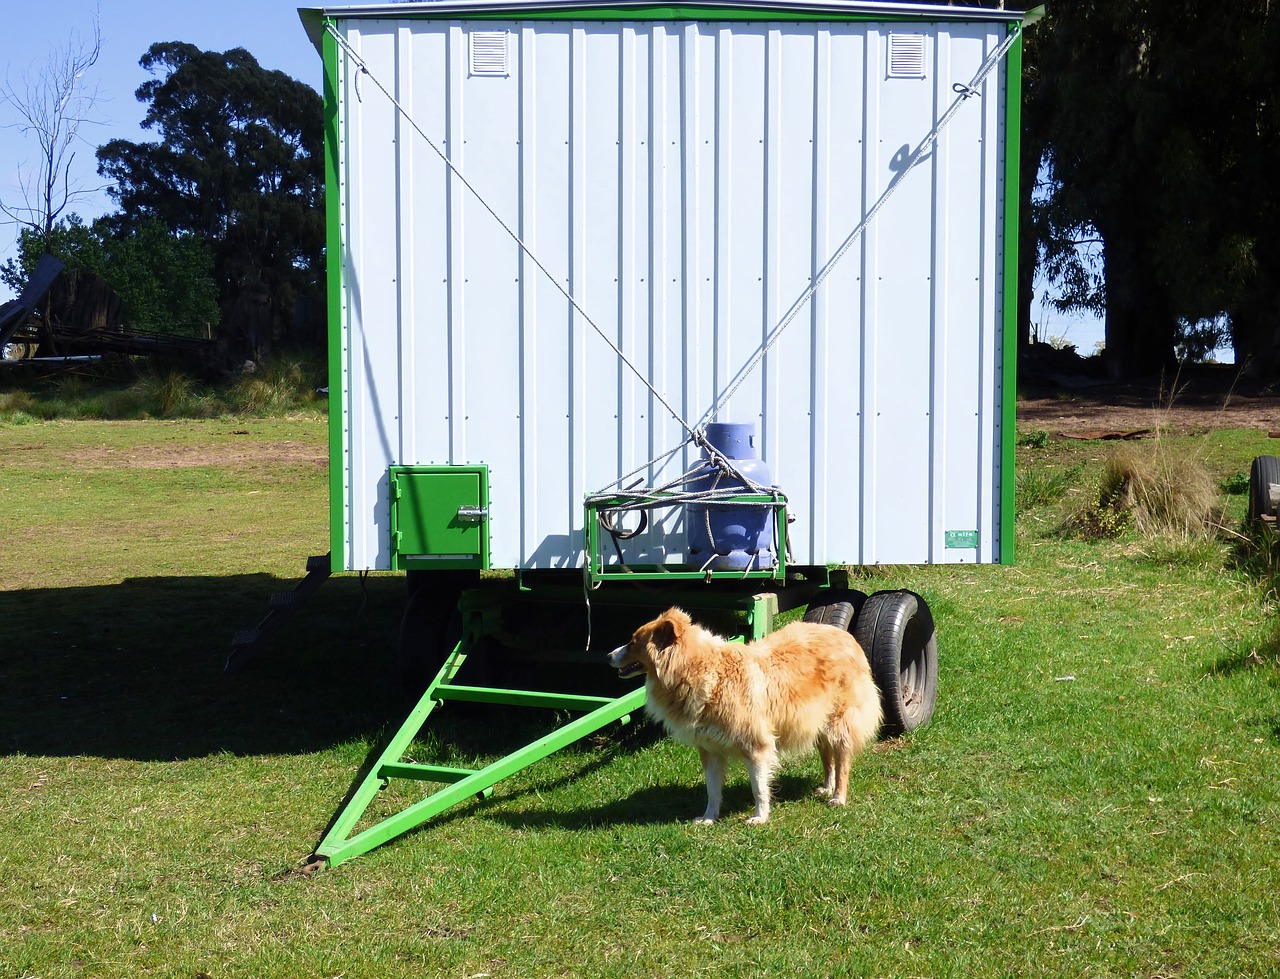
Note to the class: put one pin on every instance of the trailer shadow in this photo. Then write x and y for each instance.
(134, 670)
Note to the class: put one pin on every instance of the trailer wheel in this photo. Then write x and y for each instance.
(1264, 471)
(837, 607)
(895, 629)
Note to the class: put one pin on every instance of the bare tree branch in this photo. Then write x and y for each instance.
(49, 106)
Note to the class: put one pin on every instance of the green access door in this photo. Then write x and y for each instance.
(439, 517)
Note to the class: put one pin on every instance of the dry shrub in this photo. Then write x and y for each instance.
(1155, 489)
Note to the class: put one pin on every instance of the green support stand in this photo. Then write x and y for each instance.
(341, 842)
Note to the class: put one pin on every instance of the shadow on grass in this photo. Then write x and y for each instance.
(135, 670)
(655, 805)
(1245, 655)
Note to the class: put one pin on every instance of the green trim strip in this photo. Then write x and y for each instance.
(333, 284)
(932, 14)
(1009, 328)
(668, 13)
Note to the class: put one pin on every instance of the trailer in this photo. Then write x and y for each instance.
(634, 305)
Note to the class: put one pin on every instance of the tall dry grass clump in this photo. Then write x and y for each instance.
(1164, 491)
(1154, 488)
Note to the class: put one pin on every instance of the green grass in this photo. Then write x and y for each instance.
(1095, 797)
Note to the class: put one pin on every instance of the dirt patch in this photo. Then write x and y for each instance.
(218, 454)
(1198, 405)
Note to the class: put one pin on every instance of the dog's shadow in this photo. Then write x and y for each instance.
(654, 806)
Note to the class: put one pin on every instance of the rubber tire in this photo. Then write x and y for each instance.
(429, 629)
(896, 631)
(1264, 471)
(837, 607)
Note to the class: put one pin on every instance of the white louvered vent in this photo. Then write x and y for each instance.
(489, 53)
(906, 56)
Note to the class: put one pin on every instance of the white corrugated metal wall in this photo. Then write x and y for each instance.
(686, 180)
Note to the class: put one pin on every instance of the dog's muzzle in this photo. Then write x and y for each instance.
(625, 670)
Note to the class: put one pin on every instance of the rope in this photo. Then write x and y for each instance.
(965, 92)
(716, 467)
(364, 70)
(669, 494)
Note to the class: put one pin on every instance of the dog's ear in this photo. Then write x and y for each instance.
(663, 635)
(671, 627)
(679, 618)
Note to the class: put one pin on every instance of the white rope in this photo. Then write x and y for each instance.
(364, 70)
(965, 92)
(667, 495)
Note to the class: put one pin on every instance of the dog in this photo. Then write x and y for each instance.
(806, 684)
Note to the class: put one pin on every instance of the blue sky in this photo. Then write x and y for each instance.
(268, 29)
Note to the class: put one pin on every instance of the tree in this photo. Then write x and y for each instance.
(1250, 211)
(1055, 238)
(51, 106)
(163, 280)
(239, 163)
(1159, 131)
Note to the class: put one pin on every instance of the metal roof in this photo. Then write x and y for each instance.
(313, 17)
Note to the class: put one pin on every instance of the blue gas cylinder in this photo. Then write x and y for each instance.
(731, 536)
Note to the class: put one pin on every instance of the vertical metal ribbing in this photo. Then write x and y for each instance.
(526, 318)
(455, 62)
(819, 326)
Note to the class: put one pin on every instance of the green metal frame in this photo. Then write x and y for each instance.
(334, 259)
(599, 568)
(1009, 297)
(342, 841)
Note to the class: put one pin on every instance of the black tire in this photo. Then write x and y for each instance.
(837, 607)
(1264, 471)
(429, 629)
(895, 629)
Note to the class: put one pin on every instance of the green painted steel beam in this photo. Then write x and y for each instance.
(337, 849)
(1009, 299)
(373, 782)
(443, 774)
(334, 258)
(519, 698)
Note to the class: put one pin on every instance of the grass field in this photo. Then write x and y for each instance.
(1097, 794)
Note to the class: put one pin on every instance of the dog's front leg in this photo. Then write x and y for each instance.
(761, 764)
(713, 770)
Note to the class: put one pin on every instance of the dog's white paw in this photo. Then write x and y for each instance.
(757, 820)
(834, 801)
(703, 821)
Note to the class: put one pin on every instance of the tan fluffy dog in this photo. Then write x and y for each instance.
(804, 685)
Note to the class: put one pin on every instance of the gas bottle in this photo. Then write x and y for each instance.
(731, 536)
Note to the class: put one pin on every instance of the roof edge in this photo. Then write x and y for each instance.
(313, 17)
(313, 23)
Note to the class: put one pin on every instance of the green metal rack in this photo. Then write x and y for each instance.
(600, 569)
